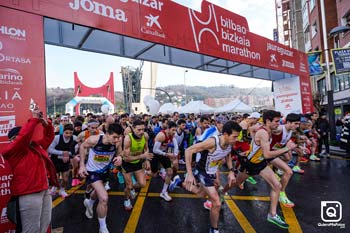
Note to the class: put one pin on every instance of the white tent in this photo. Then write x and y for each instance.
(234, 106)
(168, 108)
(196, 107)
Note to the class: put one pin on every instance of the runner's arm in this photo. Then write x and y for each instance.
(263, 137)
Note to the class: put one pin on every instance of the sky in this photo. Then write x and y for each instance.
(94, 69)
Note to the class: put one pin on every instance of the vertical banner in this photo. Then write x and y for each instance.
(287, 96)
(22, 67)
(306, 94)
(341, 60)
(314, 60)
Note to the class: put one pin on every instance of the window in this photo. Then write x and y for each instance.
(312, 4)
(314, 29)
(346, 19)
(321, 86)
(341, 82)
(307, 35)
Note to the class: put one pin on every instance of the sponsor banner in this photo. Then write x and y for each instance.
(314, 61)
(214, 31)
(306, 94)
(287, 96)
(341, 60)
(22, 75)
(5, 195)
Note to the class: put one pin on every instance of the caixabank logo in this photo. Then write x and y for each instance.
(152, 26)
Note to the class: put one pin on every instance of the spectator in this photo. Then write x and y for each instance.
(322, 126)
(31, 165)
(345, 136)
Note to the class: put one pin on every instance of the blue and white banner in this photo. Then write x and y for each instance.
(341, 60)
(314, 60)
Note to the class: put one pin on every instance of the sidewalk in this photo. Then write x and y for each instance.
(335, 150)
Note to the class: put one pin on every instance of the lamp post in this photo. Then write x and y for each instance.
(185, 86)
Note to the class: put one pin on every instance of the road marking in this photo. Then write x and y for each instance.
(291, 219)
(179, 195)
(59, 199)
(251, 198)
(242, 220)
(136, 211)
(112, 193)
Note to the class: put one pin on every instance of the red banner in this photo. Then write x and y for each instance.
(5, 195)
(22, 69)
(216, 32)
(306, 94)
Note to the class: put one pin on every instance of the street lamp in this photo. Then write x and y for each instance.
(185, 86)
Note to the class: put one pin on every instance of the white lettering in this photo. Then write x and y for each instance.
(230, 24)
(99, 9)
(13, 32)
(22, 60)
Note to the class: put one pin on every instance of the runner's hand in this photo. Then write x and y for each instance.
(65, 157)
(231, 179)
(83, 172)
(291, 145)
(190, 182)
(148, 156)
(117, 161)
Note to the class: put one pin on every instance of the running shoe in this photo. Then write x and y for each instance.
(280, 172)
(278, 221)
(297, 169)
(174, 183)
(89, 212)
(285, 201)
(304, 160)
(207, 205)
(107, 187)
(182, 162)
(75, 182)
(212, 230)
(251, 180)
(127, 205)
(63, 193)
(103, 230)
(53, 191)
(132, 194)
(165, 196)
(314, 158)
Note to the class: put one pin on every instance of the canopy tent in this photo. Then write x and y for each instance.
(168, 108)
(196, 107)
(234, 106)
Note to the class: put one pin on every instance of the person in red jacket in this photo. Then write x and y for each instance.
(31, 168)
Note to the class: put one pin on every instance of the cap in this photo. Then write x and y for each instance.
(255, 115)
(13, 132)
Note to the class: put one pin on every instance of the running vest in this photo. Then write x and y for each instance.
(137, 146)
(100, 156)
(280, 140)
(255, 154)
(210, 162)
(165, 145)
(179, 137)
(64, 146)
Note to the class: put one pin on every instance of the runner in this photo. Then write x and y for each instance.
(256, 163)
(135, 157)
(213, 151)
(103, 149)
(61, 151)
(165, 152)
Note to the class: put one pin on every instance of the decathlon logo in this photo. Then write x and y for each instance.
(13, 33)
(199, 26)
(152, 20)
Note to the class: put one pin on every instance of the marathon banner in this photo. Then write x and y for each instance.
(306, 94)
(341, 60)
(22, 68)
(214, 31)
(315, 60)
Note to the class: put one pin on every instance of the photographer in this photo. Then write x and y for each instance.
(31, 167)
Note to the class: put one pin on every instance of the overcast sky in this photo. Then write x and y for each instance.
(93, 69)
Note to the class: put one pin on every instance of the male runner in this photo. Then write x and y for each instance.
(103, 151)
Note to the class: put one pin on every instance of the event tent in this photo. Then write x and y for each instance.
(168, 108)
(234, 106)
(196, 107)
